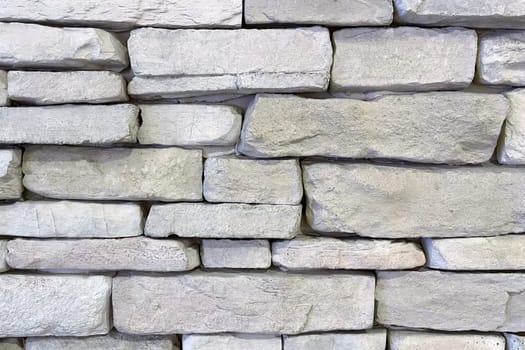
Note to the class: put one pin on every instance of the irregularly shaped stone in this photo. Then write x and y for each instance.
(3, 254)
(223, 220)
(46, 88)
(515, 341)
(11, 344)
(10, 174)
(4, 101)
(190, 125)
(397, 126)
(451, 301)
(169, 174)
(326, 12)
(511, 149)
(374, 339)
(126, 14)
(463, 13)
(67, 219)
(398, 59)
(69, 124)
(411, 201)
(36, 46)
(306, 253)
(221, 302)
(500, 59)
(231, 342)
(407, 340)
(217, 151)
(236, 254)
(66, 305)
(252, 181)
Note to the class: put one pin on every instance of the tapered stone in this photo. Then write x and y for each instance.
(230, 342)
(4, 100)
(374, 339)
(407, 340)
(10, 174)
(236, 254)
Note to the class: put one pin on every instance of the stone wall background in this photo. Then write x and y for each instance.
(266, 174)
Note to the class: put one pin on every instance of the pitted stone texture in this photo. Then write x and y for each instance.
(374, 339)
(515, 341)
(190, 125)
(126, 14)
(66, 305)
(236, 254)
(307, 253)
(345, 13)
(4, 101)
(134, 254)
(169, 174)
(433, 300)
(3, 254)
(411, 201)
(231, 342)
(500, 59)
(36, 46)
(252, 181)
(69, 124)
(10, 174)
(220, 302)
(407, 340)
(463, 13)
(223, 220)
(397, 59)
(47, 88)
(511, 149)
(397, 126)
(68, 219)
(11, 344)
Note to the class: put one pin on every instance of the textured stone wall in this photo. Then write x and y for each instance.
(262, 174)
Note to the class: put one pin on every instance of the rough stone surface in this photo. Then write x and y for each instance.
(370, 340)
(515, 341)
(236, 254)
(69, 124)
(231, 342)
(134, 254)
(398, 59)
(170, 174)
(252, 181)
(224, 220)
(3, 254)
(46, 88)
(38, 305)
(190, 125)
(436, 127)
(433, 300)
(10, 174)
(511, 149)
(463, 13)
(326, 12)
(406, 340)
(220, 302)
(411, 201)
(68, 219)
(36, 46)
(4, 101)
(11, 344)
(306, 253)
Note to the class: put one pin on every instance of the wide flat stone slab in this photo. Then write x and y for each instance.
(236, 254)
(10, 174)
(230, 342)
(374, 339)
(407, 340)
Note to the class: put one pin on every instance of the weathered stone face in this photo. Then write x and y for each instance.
(236, 254)
(231, 342)
(4, 100)
(3, 253)
(10, 174)
(369, 340)
(406, 340)
(515, 341)
(511, 149)
(11, 344)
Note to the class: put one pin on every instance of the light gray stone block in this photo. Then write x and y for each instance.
(515, 341)
(374, 339)
(220, 302)
(11, 344)
(230, 342)
(10, 174)
(236, 254)
(398, 59)
(511, 149)
(407, 340)
(4, 100)
(500, 59)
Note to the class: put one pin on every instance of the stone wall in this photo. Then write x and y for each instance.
(266, 174)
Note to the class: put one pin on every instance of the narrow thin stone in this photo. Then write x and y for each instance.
(374, 339)
(236, 254)
(231, 342)
(511, 149)
(3, 256)
(4, 100)
(407, 340)
(10, 174)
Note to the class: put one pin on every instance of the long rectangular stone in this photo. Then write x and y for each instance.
(230, 342)
(396, 126)
(435, 300)
(36, 46)
(407, 340)
(374, 339)
(4, 100)
(10, 174)
(169, 174)
(229, 220)
(511, 149)
(345, 13)
(69, 124)
(236, 254)
(398, 59)
(65, 305)
(410, 201)
(270, 303)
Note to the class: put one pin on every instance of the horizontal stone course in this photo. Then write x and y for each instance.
(10, 174)
(374, 339)
(236, 254)
(407, 340)
(230, 342)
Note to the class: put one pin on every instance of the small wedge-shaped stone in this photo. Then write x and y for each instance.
(36, 46)
(69, 124)
(306, 253)
(500, 59)
(134, 254)
(10, 174)
(515, 341)
(511, 149)
(190, 125)
(11, 344)
(374, 339)
(4, 101)
(397, 126)
(236, 254)
(398, 59)
(47, 88)
(68, 219)
(3, 255)
(407, 340)
(410, 201)
(223, 220)
(220, 302)
(231, 342)
(65, 305)
(433, 300)
(344, 13)
(463, 13)
(169, 174)
(252, 181)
